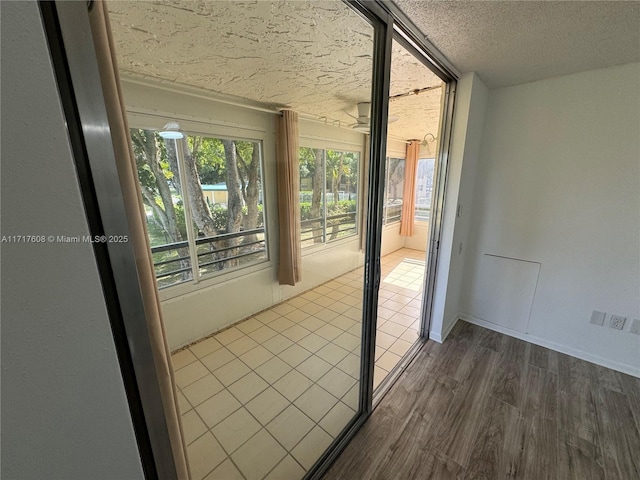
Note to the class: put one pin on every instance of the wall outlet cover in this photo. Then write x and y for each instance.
(617, 322)
(635, 326)
(597, 318)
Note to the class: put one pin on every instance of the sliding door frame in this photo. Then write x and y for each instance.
(73, 55)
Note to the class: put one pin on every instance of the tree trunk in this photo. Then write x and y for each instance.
(234, 197)
(200, 212)
(316, 196)
(252, 193)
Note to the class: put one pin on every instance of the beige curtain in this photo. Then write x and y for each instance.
(127, 173)
(407, 221)
(290, 259)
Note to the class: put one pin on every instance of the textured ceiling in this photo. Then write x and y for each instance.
(313, 57)
(512, 42)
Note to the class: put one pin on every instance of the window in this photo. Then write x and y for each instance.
(424, 187)
(393, 190)
(328, 195)
(204, 208)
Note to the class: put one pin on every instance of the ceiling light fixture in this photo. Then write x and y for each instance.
(171, 131)
(425, 142)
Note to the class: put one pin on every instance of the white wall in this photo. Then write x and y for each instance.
(64, 411)
(470, 104)
(558, 183)
(192, 312)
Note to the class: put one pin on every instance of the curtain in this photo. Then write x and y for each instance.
(364, 192)
(127, 173)
(288, 167)
(407, 221)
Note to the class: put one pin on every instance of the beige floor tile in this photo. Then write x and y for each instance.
(217, 408)
(290, 426)
(311, 308)
(205, 347)
(242, 345)
(183, 404)
(283, 309)
(314, 368)
(400, 347)
(332, 353)
(403, 319)
(393, 305)
(342, 322)
(350, 365)
(409, 336)
(281, 324)
(311, 447)
(388, 361)
(236, 429)
(379, 352)
(379, 375)
(352, 397)
(267, 405)
(384, 340)
(258, 456)
(225, 471)
(354, 314)
(313, 342)
(248, 387)
(192, 426)
(326, 315)
(294, 355)
(347, 341)
(412, 312)
(249, 325)
(310, 295)
(217, 359)
(297, 302)
(273, 370)
(392, 328)
(231, 372)
(322, 290)
(356, 330)
(204, 455)
(263, 334)
(202, 389)
(292, 385)
(324, 301)
(328, 331)
(336, 382)
(287, 469)
(337, 418)
(315, 402)
(256, 356)
(229, 335)
(339, 307)
(267, 316)
(277, 344)
(312, 323)
(336, 295)
(182, 359)
(296, 333)
(189, 374)
(297, 315)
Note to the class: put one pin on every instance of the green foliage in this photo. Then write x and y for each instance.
(219, 215)
(342, 206)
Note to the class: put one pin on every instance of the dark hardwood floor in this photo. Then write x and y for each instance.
(487, 406)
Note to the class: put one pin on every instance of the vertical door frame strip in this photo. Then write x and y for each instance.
(68, 32)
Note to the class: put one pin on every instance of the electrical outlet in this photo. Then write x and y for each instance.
(597, 318)
(617, 322)
(635, 326)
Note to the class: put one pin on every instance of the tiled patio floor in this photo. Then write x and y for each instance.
(264, 398)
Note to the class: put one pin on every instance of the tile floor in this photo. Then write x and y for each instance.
(264, 398)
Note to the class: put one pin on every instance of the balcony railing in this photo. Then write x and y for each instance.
(172, 262)
(338, 226)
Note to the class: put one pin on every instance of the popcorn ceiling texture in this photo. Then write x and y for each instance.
(313, 57)
(512, 42)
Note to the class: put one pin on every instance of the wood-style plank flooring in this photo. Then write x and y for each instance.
(487, 406)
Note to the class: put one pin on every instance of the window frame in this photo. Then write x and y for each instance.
(415, 218)
(339, 146)
(214, 129)
(391, 156)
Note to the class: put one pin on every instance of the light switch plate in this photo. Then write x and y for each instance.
(597, 318)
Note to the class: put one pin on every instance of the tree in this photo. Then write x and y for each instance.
(250, 188)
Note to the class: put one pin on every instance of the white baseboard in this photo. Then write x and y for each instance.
(574, 352)
(437, 337)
